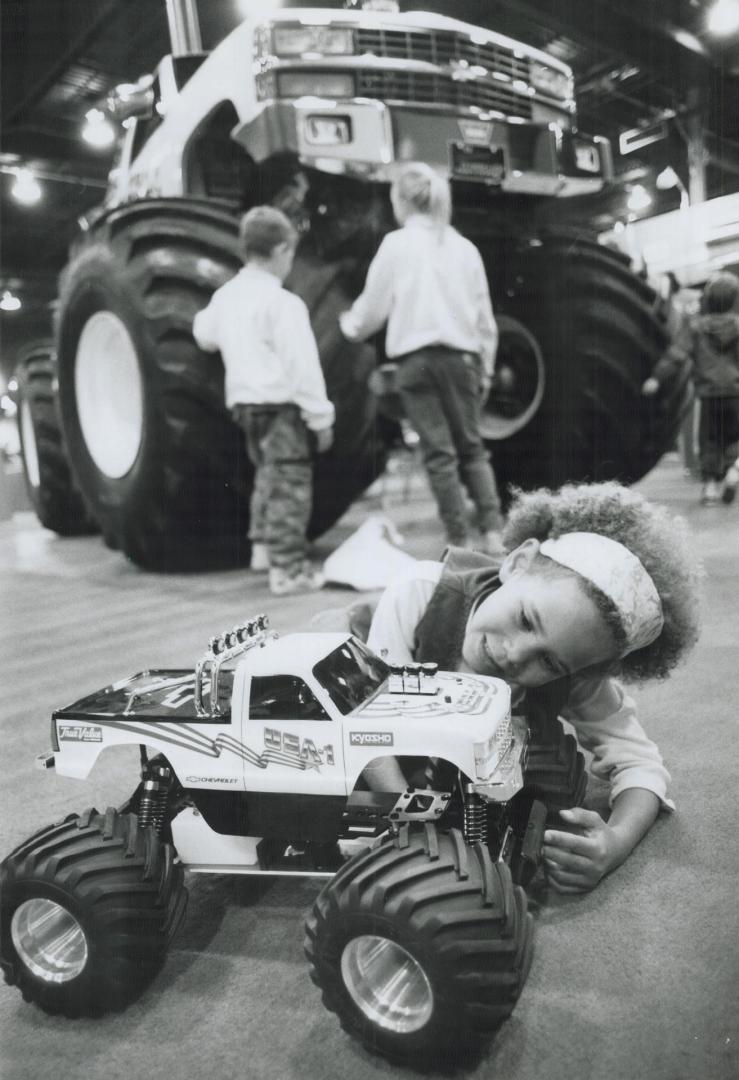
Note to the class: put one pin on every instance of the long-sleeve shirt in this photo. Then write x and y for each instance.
(269, 351)
(429, 285)
(602, 714)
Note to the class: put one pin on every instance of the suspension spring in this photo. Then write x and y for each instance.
(475, 819)
(153, 803)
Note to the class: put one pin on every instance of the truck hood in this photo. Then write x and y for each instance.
(476, 700)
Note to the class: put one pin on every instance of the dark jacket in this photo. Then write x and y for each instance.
(710, 345)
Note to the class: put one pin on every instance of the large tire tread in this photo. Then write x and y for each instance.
(123, 886)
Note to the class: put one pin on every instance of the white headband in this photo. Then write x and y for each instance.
(618, 574)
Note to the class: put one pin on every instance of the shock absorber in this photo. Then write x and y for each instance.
(153, 804)
(475, 818)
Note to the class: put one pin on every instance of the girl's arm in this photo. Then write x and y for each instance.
(576, 861)
(604, 718)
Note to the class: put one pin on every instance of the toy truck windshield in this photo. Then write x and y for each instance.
(351, 674)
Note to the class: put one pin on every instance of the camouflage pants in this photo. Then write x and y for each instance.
(278, 444)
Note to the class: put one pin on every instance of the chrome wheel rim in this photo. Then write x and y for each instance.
(109, 392)
(387, 983)
(520, 381)
(49, 940)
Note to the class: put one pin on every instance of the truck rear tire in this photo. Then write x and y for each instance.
(51, 488)
(420, 946)
(581, 332)
(89, 906)
(154, 449)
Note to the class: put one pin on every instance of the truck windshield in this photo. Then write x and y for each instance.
(351, 674)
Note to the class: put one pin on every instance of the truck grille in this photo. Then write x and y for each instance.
(436, 89)
(441, 47)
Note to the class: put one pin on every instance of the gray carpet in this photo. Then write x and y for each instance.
(638, 980)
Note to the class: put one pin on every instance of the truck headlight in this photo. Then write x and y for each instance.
(551, 82)
(322, 40)
(483, 751)
(324, 84)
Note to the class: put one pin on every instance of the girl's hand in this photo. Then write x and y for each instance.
(575, 862)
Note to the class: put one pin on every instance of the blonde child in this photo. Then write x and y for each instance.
(428, 283)
(598, 585)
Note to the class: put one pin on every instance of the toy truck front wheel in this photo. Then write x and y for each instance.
(89, 906)
(421, 946)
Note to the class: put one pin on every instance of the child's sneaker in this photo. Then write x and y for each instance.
(259, 557)
(284, 583)
(711, 493)
(731, 480)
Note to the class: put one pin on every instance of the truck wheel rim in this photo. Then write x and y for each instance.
(49, 940)
(30, 450)
(520, 381)
(387, 984)
(110, 401)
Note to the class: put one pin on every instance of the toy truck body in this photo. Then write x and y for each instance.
(287, 733)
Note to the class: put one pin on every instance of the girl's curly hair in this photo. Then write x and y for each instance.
(658, 540)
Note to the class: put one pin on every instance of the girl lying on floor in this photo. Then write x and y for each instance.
(597, 587)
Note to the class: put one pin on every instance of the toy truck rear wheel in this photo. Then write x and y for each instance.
(151, 443)
(420, 946)
(51, 487)
(89, 906)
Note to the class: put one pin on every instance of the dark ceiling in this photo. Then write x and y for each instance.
(636, 62)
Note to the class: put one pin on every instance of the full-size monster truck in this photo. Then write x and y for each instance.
(314, 110)
(255, 763)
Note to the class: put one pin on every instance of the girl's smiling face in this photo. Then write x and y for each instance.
(536, 628)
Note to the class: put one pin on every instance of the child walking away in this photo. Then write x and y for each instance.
(598, 586)
(277, 394)
(709, 344)
(428, 283)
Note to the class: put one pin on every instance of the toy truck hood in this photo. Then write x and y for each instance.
(467, 721)
(161, 694)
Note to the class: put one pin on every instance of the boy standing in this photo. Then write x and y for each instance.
(276, 392)
(709, 343)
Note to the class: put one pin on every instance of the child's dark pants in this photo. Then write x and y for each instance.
(278, 444)
(440, 392)
(718, 435)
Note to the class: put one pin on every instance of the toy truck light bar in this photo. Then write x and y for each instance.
(229, 645)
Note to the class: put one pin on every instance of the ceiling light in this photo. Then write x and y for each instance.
(639, 198)
(98, 131)
(723, 18)
(26, 188)
(9, 302)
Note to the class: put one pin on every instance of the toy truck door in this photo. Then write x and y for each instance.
(294, 743)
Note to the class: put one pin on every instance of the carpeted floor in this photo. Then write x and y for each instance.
(638, 980)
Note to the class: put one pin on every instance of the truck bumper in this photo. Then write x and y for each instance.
(366, 138)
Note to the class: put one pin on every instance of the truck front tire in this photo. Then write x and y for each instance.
(89, 906)
(421, 946)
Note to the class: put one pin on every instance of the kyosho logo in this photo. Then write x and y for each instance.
(370, 738)
(80, 733)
